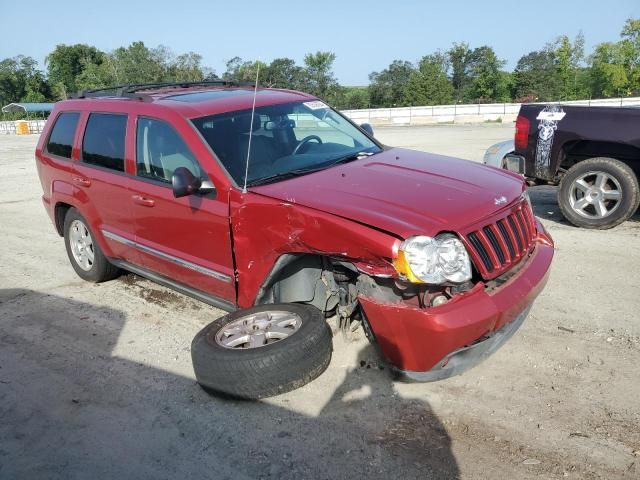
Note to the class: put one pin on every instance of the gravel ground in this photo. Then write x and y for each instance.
(96, 380)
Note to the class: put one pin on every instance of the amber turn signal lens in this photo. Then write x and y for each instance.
(402, 266)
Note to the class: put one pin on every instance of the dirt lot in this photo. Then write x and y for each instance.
(96, 380)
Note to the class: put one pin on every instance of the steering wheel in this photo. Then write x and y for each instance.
(304, 141)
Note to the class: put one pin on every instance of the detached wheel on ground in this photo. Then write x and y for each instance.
(262, 351)
(599, 193)
(84, 253)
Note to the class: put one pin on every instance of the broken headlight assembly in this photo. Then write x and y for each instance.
(434, 260)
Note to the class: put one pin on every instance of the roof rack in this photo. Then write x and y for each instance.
(131, 90)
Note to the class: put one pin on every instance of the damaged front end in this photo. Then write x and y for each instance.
(425, 341)
(426, 330)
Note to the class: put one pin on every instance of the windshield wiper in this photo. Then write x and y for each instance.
(303, 171)
(348, 158)
(276, 176)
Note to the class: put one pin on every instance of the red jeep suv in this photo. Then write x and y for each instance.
(271, 205)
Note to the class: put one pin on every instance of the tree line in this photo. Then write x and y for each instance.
(560, 70)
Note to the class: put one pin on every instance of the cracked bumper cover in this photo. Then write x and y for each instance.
(439, 342)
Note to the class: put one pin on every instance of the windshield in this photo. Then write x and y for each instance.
(287, 140)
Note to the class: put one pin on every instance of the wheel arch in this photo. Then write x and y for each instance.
(303, 278)
(61, 209)
(60, 212)
(575, 151)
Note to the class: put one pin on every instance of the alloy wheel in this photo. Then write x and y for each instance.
(595, 195)
(81, 245)
(258, 329)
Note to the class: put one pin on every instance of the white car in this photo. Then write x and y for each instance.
(500, 155)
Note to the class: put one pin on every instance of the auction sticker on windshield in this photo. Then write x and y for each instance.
(315, 105)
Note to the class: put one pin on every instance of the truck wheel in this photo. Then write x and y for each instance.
(599, 193)
(84, 253)
(262, 351)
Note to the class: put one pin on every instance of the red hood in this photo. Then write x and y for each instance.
(403, 191)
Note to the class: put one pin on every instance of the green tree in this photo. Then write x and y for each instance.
(138, 64)
(630, 46)
(486, 77)
(609, 74)
(37, 89)
(568, 57)
(535, 77)
(388, 88)
(319, 78)
(460, 61)
(94, 76)
(284, 73)
(187, 67)
(233, 69)
(20, 80)
(239, 70)
(504, 87)
(429, 84)
(615, 67)
(354, 98)
(66, 62)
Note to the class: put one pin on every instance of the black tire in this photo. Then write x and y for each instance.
(622, 173)
(101, 270)
(268, 370)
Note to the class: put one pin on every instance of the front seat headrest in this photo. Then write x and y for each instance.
(242, 123)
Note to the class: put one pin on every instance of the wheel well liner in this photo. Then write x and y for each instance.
(61, 210)
(301, 278)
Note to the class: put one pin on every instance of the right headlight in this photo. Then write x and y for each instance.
(434, 260)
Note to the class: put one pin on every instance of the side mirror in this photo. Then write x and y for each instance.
(367, 128)
(184, 183)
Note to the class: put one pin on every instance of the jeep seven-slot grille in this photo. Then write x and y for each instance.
(498, 246)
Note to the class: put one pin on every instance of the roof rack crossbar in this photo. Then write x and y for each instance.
(129, 90)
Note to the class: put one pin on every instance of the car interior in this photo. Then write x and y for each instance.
(283, 138)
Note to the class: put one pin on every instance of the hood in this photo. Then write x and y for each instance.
(403, 192)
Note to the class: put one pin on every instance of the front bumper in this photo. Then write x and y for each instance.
(438, 342)
(468, 357)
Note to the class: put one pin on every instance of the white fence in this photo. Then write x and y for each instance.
(476, 113)
(35, 126)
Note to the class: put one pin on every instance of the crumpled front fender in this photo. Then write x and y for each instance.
(263, 229)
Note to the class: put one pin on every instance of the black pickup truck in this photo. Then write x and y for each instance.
(593, 153)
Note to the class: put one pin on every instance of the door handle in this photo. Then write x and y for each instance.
(145, 202)
(83, 182)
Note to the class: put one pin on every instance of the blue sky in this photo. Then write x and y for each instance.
(365, 35)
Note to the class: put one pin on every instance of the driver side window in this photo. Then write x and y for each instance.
(160, 150)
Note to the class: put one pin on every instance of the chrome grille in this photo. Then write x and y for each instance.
(496, 247)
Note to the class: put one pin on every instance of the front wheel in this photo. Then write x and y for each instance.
(262, 351)
(599, 193)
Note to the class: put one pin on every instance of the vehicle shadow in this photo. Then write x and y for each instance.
(545, 205)
(405, 429)
(72, 408)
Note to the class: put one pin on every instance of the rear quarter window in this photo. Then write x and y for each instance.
(103, 143)
(62, 134)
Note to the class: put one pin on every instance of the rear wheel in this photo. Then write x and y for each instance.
(599, 193)
(84, 253)
(262, 351)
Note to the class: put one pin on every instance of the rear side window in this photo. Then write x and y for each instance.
(160, 150)
(103, 143)
(62, 134)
